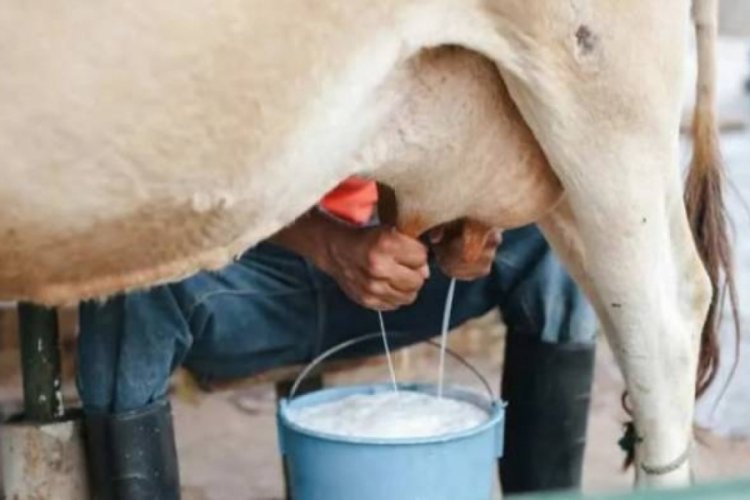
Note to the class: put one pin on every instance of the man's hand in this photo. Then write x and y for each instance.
(377, 267)
(464, 253)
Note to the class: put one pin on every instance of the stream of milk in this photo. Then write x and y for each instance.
(384, 335)
(444, 334)
(445, 326)
(395, 414)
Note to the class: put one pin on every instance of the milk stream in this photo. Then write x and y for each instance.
(443, 340)
(387, 351)
(444, 334)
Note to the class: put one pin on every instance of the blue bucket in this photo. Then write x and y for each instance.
(456, 466)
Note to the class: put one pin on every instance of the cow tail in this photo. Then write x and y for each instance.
(704, 196)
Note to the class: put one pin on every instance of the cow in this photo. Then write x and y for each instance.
(142, 142)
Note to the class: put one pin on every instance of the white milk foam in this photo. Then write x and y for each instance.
(390, 415)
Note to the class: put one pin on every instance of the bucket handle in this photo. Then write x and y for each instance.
(348, 343)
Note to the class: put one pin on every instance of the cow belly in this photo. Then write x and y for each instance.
(454, 145)
(142, 145)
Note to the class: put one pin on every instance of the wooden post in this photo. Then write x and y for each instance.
(40, 363)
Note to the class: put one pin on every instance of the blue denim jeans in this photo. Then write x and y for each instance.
(273, 308)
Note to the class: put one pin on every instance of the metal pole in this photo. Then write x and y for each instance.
(40, 363)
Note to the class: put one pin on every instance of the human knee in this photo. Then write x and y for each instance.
(548, 304)
(127, 348)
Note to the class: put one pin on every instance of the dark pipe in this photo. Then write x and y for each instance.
(40, 363)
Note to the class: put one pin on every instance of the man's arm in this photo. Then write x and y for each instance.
(378, 267)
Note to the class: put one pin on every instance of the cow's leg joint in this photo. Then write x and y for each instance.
(660, 470)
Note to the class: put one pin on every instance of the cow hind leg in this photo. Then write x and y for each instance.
(604, 110)
(644, 277)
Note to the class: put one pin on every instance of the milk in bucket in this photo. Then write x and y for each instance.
(390, 415)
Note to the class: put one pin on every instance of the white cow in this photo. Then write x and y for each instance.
(144, 141)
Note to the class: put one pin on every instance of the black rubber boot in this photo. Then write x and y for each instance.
(98, 457)
(132, 455)
(548, 389)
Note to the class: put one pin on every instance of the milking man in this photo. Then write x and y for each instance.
(312, 286)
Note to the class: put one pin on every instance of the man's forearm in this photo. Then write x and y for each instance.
(310, 236)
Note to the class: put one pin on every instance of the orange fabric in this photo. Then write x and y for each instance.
(353, 200)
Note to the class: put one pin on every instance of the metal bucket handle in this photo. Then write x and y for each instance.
(348, 343)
